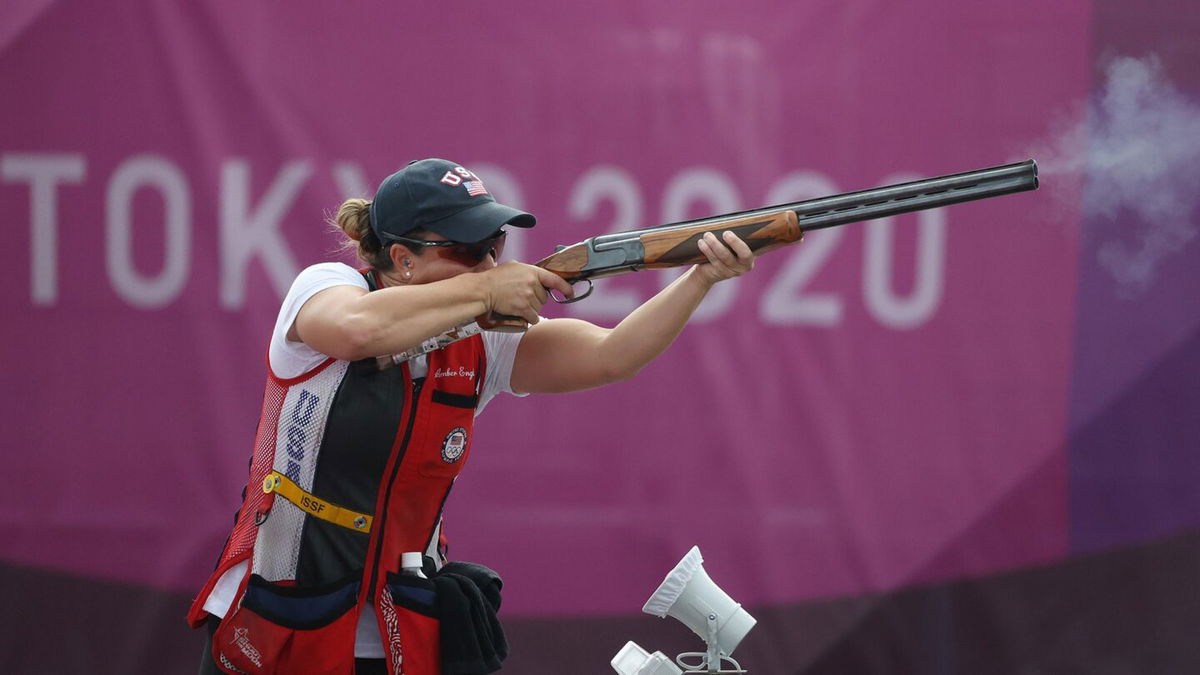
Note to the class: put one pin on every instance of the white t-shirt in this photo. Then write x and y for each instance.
(290, 359)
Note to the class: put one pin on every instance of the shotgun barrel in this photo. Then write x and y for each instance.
(917, 195)
(763, 228)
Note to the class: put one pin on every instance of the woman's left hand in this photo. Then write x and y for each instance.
(728, 257)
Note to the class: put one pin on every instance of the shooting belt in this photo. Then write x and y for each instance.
(314, 506)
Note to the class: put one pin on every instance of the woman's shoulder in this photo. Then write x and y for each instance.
(329, 274)
(331, 269)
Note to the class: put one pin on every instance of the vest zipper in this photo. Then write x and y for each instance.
(380, 521)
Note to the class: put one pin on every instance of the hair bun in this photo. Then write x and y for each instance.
(354, 218)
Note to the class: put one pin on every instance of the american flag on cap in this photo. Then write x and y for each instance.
(475, 188)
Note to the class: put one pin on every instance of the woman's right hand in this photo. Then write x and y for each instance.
(517, 289)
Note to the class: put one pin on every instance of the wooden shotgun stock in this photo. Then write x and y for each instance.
(676, 246)
(763, 229)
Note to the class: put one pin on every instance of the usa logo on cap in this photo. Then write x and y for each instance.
(475, 188)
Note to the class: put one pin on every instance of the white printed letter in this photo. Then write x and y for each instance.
(887, 306)
(247, 232)
(43, 173)
(715, 189)
(159, 174)
(788, 300)
(607, 184)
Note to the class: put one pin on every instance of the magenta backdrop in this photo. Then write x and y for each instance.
(880, 406)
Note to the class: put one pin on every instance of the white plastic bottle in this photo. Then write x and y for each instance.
(411, 563)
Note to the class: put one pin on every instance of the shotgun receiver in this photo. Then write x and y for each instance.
(762, 229)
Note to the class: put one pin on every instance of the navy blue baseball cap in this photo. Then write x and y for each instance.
(443, 197)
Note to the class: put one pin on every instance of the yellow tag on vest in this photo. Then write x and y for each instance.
(314, 505)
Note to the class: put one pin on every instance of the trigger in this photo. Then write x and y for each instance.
(578, 297)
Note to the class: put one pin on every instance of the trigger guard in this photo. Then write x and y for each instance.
(577, 298)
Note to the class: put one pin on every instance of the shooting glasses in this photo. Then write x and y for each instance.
(466, 254)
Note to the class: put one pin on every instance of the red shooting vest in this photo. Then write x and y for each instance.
(373, 457)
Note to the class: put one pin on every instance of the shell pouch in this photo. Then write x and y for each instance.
(280, 629)
(415, 600)
(449, 439)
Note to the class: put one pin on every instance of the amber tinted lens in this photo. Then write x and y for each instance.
(473, 254)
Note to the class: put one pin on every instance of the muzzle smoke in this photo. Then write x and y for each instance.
(1137, 149)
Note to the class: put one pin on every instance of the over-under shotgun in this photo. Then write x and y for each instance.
(762, 229)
